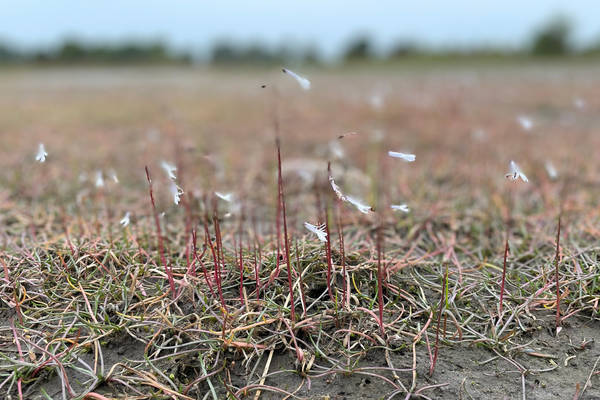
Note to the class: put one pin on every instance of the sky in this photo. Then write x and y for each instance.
(194, 25)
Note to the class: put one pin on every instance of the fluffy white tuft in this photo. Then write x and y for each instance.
(318, 230)
(404, 156)
(302, 81)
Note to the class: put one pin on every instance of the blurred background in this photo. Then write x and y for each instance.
(118, 85)
(309, 32)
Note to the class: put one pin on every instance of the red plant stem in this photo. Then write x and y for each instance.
(258, 262)
(302, 298)
(278, 232)
(198, 259)
(218, 257)
(189, 232)
(191, 266)
(439, 317)
(345, 296)
(256, 276)
(214, 256)
(219, 241)
(557, 276)
(161, 249)
(380, 278)
(328, 254)
(241, 264)
(285, 233)
(503, 276)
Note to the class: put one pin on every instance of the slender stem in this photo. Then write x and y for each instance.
(220, 259)
(161, 250)
(328, 254)
(503, 275)
(345, 296)
(380, 278)
(302, 298)
(439, 317)
(241, 260)
(285, 232)
(557, 276)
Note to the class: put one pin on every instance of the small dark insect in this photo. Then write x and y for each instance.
(263, 86)
(347, 134)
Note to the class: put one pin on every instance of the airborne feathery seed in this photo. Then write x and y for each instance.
(176, 192)
(337, 190)
(363, 208)
(525, 122)
(228, 197)
(302, 81)
(552, 173)
(169, 169)
(99, 179)
(125, 220)
(404, 156)
(318, 230)
(41, 153)
(400, 207)
(515, 172)
(113, 175)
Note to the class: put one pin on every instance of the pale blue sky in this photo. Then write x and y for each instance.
(328, 24)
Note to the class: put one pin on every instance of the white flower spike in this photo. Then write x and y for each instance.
(41, 153)
(176, 192)
(362, 207)
(515, 172)
(404, 156)
(318, 230)
(125, 220)
(169, 169)
(99, 179)
(552, 173)
(401, 207)
(228, 197)
(303, 82)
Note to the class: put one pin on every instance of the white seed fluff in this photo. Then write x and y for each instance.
(125, 220)
(169, 169)
(362, 207)
(176, 192)
(525, 122)
(99, 179)
(318, 230)
(552, 173)
(303, 82)
(515, 172)
(41, 153)
(404, 156)
(228, 197)
(400, 207)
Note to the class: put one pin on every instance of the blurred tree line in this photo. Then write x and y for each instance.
(72, 51)
(554, 39)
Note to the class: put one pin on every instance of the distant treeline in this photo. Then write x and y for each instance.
(552, 39)
(77, 52)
